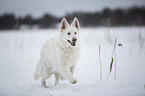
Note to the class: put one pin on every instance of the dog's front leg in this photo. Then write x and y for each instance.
(72, 69)
(65, 72)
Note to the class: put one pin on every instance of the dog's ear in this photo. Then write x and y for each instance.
(76, 23)
(64, 24)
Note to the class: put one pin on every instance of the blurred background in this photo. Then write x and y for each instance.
(17, 14)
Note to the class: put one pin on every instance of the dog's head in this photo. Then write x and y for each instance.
(70, 33)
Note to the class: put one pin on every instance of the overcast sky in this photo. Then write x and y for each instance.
(37, 8)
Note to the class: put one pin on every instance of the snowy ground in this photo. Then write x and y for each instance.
(19, 53)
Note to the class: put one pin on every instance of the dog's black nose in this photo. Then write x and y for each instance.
(74, 39)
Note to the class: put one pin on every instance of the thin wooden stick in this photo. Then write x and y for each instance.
(100, 63)
(115, 59)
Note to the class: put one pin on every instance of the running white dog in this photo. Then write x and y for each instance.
(60, 54)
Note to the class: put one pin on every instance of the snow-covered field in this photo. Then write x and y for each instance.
(20, 49)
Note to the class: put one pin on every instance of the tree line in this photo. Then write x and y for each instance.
(134, 16)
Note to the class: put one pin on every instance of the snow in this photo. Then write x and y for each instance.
(20, 49)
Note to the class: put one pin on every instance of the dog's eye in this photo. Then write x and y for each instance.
(75, 32)
(68, 33)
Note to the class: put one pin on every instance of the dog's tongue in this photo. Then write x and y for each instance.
(72, 43)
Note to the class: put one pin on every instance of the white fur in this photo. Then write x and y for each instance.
(58, 56)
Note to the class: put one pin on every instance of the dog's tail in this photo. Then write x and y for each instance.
(37, 71)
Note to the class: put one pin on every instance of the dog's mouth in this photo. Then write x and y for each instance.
(73, 43)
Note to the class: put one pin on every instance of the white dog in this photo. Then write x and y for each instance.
(60, 54)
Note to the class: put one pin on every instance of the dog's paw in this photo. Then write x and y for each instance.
(73, 81)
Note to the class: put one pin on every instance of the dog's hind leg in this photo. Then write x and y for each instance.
(62, 78)
(43, 82)
(57, 77)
